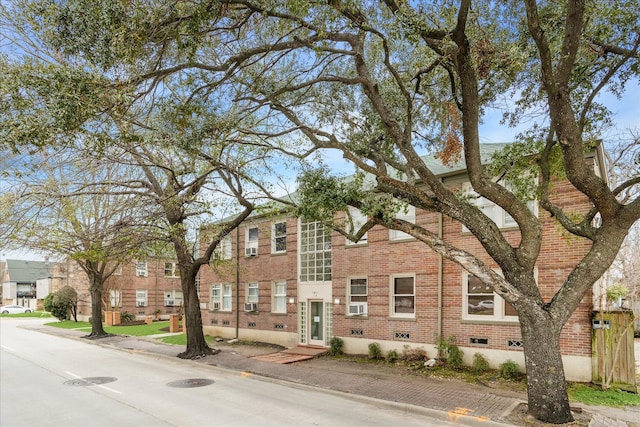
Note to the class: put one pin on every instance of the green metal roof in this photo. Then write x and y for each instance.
(27, 271)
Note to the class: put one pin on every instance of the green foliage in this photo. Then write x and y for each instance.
(335, 346)
(392, 356)
(375, 352)
(509, 370)
(594, 395)
(125, 317)
(449, 350)
(61, 303)
(480, 363)
(616, 291)
(48, 302)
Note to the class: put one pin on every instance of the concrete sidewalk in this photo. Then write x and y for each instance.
(450, 400)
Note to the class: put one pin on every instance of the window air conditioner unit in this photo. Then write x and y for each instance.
(169, 302)
(357, 309)
(250, 306)
(141, 273)
(215, 306)
(251, 251)
(141, 304)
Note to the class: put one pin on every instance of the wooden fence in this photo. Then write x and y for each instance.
(613, 357)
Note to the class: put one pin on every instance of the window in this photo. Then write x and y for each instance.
(223, 250)
(173, 298)
(357, 219)
(141, 298)
(215, 302)
(357, 297)
(493, 211)
(252, 293)
(115, 298)
(171, 269)
(315, 252)
(408, 214)
(141, 268)
(403, 296)
(251, 242)
(220, 297)
(118, 270)
(279, 304)
(279, 237)
(481, 303)
(226, 297)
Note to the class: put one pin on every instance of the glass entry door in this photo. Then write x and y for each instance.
(316, 323)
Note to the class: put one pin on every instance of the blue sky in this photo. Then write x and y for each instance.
(626, 116)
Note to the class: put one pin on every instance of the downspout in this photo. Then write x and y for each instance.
(440, 268)
(157, 309)
(237, 281)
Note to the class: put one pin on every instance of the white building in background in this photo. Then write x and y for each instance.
(28, 283)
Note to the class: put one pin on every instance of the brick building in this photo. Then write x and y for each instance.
(142, 287)
(288, 281)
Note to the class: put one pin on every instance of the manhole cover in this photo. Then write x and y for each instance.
(190, 383)
(91, 381)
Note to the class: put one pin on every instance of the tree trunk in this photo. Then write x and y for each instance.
(196, 345)
(97, 330)
(546, 387)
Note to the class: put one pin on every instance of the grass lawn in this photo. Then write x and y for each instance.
(154, 328)
(181, 339)
(32, 314)
(594, 395)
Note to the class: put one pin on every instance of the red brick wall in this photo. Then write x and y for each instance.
(263, 269)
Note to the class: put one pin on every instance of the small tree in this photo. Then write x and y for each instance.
(62, 304)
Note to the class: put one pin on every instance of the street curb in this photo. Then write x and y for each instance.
(450, 417)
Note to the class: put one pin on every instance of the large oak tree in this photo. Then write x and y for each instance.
(387, 81)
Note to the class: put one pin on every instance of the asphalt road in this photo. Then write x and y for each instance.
(52, 381)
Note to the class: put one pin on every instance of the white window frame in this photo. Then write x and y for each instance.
(357, 298)
(227, 297)
(173, 270)
(499, 304)
(142, 269)
(253, 291)
(277, 236)
(223, 250)
(251, 242)
(141, 298)
(279, 297)
(176, 298)
(221, 293)
(393, 295)
(315, 259)
(498, 215)
(407, 213)
(215, 296)
(358, 219)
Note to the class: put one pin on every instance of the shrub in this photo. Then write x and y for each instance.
(414, 354)
(392, 356)
(480, 363)
(125, 316)
(375, 352)
(48, 303)
(336, 345)
(449, 350)
(455, 356)
(509, 370)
